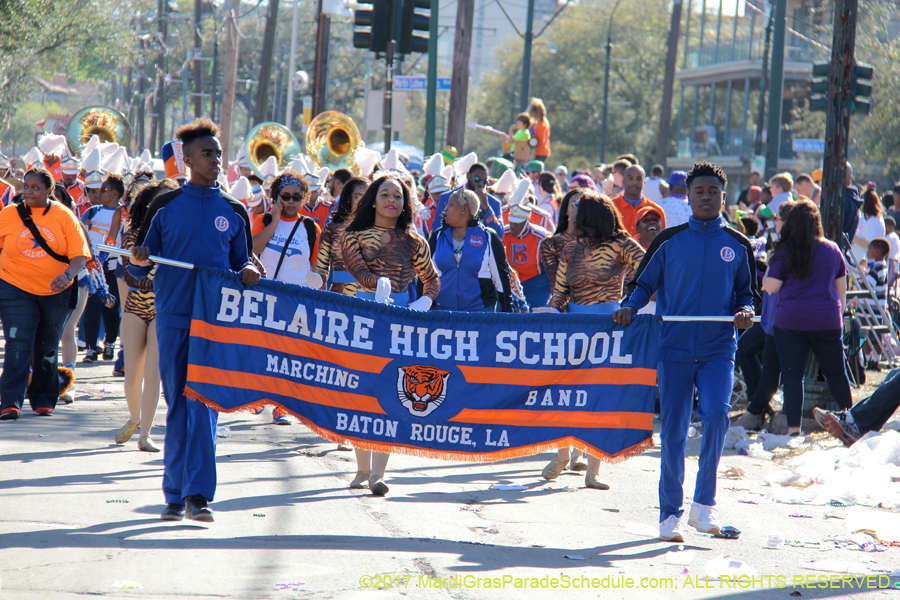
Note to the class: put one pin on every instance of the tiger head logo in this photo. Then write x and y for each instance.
(421, 389)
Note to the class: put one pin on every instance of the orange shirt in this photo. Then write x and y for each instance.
(523, 252)
(7, 191)
(629, 212)
(542, 133)
(23, 263)
(319, 215)
(78, 193)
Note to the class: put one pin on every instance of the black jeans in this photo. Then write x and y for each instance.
(828, 348)
(872, 413)
(750, 345)
(95, 309)
(769, 378)
(32, 328)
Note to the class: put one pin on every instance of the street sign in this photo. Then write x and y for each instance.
(375, 110)
(804, 145)
(413, 83)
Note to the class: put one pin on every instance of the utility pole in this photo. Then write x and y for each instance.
(763, 88)
(214, 87)
(265, 68)
(229, 77)
(389, 55)
(606, 81)
(837, 123)
(320, 83)
(524, 97)
(773, 125)
(198, 49)
(459, 82)
(292, 67)
(157, 125)
(431, 93)
(142, 87)
(665, 110)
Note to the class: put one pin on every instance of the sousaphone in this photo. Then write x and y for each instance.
(105, 122)
(332, 140)
(270, 139)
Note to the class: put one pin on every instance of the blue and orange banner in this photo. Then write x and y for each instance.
(449, 385)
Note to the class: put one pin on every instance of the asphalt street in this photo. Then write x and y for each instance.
(80, 517)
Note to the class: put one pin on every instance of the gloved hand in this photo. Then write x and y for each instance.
(314, 280)
(423, 304)
(545, 309)
(383, 291)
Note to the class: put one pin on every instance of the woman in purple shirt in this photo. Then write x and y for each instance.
(810, 278)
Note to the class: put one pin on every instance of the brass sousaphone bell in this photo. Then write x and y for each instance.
(270, 139)
(332, 140)
(105, 122)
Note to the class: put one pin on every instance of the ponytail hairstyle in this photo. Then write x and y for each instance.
(44, 175)
(800, 233)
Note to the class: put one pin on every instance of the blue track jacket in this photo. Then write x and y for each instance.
(491, 218)
(700, 268)
(481, 275)
(198, 225)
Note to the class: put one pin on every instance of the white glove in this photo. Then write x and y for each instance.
(314, 280)
(383, 291)
(423, 304)
(545, 309)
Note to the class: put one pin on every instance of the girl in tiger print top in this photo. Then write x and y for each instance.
(593, 268)
(142, 380)
(379, 242)
(565, 232)
(331, 257)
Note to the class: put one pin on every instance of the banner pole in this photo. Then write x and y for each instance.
(678, 319)
(156, 259)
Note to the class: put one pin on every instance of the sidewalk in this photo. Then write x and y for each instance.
(80, 515)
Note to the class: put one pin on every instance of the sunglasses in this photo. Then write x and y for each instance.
(291, 198)
(477, 179)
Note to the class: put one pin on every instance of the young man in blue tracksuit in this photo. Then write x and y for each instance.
(700, 268)
(197, 224)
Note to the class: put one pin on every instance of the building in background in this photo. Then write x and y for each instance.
(721, 74)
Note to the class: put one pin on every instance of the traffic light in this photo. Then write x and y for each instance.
(818, 89)
(860, 88)
(416, 17)
(372, 25)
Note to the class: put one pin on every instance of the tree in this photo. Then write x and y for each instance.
(39, 37)
(567, 74)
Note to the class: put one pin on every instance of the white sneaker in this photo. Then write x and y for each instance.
(705, 519)
(671, 530)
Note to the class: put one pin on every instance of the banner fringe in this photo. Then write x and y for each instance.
(496, 455)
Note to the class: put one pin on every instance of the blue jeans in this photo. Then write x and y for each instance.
(714, 380)
(828, 348)
(190, 445)
(32, 328)
(872, 413)
(750, 344)
(768, 379)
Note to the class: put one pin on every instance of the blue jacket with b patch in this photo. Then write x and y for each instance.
(700, 268)
(197, 225)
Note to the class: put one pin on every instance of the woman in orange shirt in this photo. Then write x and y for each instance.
(541, 129)
(42, 249)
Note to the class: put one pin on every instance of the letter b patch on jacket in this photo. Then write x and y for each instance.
(519, 254)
